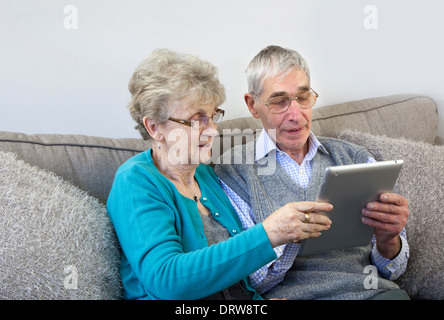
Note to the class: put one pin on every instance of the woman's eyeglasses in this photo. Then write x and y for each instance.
(202, 121)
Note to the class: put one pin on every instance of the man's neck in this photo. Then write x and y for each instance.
(298, 155)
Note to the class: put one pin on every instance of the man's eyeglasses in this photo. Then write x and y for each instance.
(281, 104)
(202, 121)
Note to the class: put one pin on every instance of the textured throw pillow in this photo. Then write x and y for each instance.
(422, 182)
(56, 241)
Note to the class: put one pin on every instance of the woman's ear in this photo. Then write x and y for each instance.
(249, 100)
(153, 128)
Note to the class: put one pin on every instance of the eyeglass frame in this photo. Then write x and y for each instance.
(294, 98)
(189, 123)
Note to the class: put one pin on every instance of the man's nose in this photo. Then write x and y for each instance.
(294, 109)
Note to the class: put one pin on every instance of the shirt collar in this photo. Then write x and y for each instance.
(265, 145)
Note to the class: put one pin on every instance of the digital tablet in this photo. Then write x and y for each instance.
(348, 188)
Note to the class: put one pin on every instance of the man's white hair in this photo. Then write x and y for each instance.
(270, 62)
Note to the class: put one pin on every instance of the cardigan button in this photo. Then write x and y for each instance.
(216, 214)
(234, 231)
(204, 199)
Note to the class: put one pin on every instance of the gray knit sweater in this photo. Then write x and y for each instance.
(337, 274)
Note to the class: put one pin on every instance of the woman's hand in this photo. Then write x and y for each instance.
(297, 221)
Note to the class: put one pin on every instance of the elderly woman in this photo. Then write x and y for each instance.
(180, 236)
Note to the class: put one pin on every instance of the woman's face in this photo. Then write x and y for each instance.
(183, 144)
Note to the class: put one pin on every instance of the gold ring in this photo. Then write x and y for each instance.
(307, 218)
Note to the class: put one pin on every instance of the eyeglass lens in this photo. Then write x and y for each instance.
(203, 121)
(281, 104)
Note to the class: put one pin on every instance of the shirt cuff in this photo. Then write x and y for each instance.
(392, 269)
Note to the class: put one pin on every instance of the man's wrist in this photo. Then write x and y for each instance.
(389, 249)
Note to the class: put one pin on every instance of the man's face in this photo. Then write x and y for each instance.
(292, 126)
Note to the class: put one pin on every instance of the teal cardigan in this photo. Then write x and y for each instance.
(165, 254)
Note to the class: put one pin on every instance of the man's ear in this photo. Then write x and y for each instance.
(249, 100)
(153, 128)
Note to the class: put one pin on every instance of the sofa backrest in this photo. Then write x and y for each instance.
(88, 162)
(410, 116)
(407, 116)
(91, 162)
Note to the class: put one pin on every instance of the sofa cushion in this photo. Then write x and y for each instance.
(56, 242)
(422, 182)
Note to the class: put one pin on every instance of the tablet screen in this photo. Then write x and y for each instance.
(348, 188)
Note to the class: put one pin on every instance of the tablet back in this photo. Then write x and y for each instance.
(348, 188)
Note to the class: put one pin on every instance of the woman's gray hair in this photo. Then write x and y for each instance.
(166, 77)
(270, 62)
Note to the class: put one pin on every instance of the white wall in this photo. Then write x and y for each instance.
(54, 79)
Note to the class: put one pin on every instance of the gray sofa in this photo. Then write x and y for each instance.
(56, 241)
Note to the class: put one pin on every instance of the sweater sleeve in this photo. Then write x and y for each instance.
(150, 231)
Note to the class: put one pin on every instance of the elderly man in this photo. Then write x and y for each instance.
(281, 96)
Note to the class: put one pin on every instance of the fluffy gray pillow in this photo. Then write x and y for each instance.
(56, 241)
(422, 182)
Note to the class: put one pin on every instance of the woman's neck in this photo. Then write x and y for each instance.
(182, 176)
(179, 173)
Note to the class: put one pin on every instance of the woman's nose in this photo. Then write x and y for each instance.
(210, 131)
